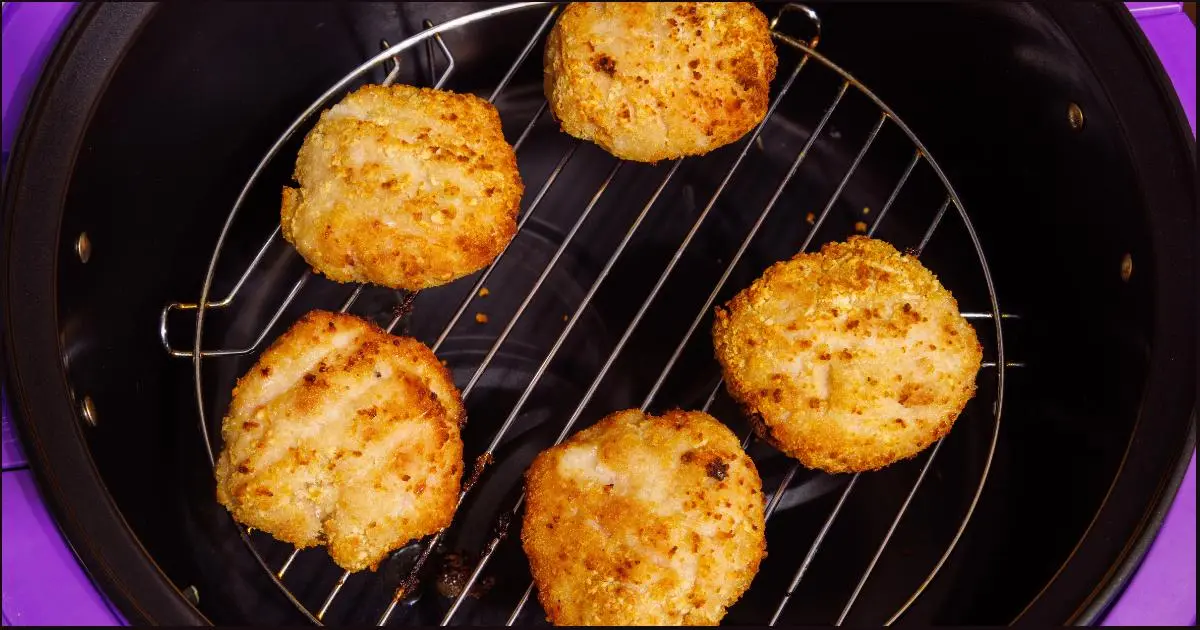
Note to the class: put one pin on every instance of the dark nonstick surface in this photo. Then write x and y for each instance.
(167, 139)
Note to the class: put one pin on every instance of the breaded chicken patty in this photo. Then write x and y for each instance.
(849, 359)
(403, 187)
(346, 436)
(650, 81)
(644, 520)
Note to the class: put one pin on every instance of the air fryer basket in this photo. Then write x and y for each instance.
(1043, 177)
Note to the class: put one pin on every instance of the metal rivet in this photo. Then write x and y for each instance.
(1126, 267)
(88, 409)
(83, 247)
(1075, 116)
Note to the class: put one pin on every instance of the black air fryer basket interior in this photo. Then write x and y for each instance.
(1054, 125)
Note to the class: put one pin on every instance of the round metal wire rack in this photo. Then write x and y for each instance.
(260, 324)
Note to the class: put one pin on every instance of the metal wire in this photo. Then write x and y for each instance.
(432, 35)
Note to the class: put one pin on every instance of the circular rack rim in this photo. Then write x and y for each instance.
(432, 33)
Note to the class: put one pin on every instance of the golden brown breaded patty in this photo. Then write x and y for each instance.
(644, 520)
(346, 436)
(849, 359)
(403, 187)
(650, 81)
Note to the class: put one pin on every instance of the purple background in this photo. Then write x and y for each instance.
(43, 584)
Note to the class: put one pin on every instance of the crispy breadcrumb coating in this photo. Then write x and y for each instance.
(403, 187)
(849, 359)
(346, 436)
(649, 81)
(644, 520)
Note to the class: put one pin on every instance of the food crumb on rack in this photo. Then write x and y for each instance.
(860, 227)
(481, 318)
(810, 218)
(484, 292)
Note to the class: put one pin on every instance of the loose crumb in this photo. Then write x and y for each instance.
(484, 292)
(860, 227)
(810, 218)
(566, 317)
(866, 210)
(481, 318)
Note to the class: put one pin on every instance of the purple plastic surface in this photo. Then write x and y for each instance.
(30, 31)
(43, 584)
(1174, 39)
(1163, 592)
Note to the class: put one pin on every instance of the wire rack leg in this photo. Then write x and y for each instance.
(262, 336)
(222, 303)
